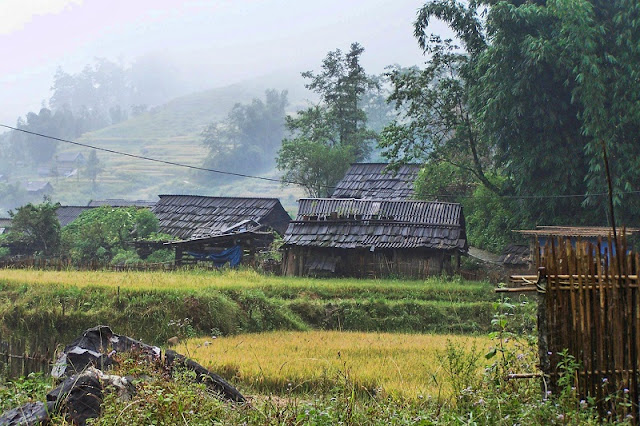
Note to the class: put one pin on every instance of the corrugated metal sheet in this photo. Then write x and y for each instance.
(370, 180)
(184, 216)
(378, 224)
(428, 212)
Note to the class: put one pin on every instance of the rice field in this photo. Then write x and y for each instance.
(246, 279)
(387, 364)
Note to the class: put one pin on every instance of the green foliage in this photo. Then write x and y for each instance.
(534, 95)
(490, 219)
(326, 138)
(12, 195)
(99, 234)
(126, 257)
(316, 165)
(16, 392)
(159, 401)
(248, 139)
(93, 167)
(161, 256)
(35, 228)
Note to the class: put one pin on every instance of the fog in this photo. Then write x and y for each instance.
(203, 44)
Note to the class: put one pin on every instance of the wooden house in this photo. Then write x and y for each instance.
(373, 238)
(220, 229)
(37, 188)
(67, 162)
(372, 181)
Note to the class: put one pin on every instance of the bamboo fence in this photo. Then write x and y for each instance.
(590, 309)
(17, 360)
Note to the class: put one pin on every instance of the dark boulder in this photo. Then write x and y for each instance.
(30, 414)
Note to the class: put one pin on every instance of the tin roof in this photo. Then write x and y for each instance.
(378, 224)
(576, 231)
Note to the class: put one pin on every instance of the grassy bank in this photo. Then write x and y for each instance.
(153, 306)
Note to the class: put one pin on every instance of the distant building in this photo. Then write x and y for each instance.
(373, 238)
(37, 188)
(372, 181)
(5, 225)
(68, 162)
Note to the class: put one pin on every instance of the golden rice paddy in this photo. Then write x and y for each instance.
(398, 365)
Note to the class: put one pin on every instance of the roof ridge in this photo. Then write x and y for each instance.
(219, 197)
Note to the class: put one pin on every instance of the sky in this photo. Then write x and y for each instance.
(213, 42)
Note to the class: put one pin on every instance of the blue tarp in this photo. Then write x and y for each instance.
(232, 255)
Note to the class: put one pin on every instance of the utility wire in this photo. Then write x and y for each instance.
(173, 163)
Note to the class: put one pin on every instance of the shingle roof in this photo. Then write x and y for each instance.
(195, 216)
(370, 180)
(118, 202)
(378, 224)
(67, 214)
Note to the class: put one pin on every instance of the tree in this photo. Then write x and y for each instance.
(247, 140)
(101, 233)
(435, 124)
(543, 84)
(333, 131)
(35, 228)
(93, 167)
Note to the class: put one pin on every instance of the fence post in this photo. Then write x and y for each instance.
(543, 335)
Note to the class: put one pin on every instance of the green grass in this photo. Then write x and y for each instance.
(56, 306)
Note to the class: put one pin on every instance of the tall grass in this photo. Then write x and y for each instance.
(379, 364)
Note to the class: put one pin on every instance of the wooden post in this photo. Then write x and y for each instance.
(543, 342)
(178, 260)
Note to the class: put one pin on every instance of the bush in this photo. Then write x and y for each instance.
(126, 257)
(161, 256)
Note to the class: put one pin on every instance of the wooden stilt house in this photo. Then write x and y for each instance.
(373, 238)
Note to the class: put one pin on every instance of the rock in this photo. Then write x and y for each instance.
(173, 341)
(94, 348)
(80, 396)
(81, 367)
(30, 414)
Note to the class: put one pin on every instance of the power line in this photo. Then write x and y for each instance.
(263, 178)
